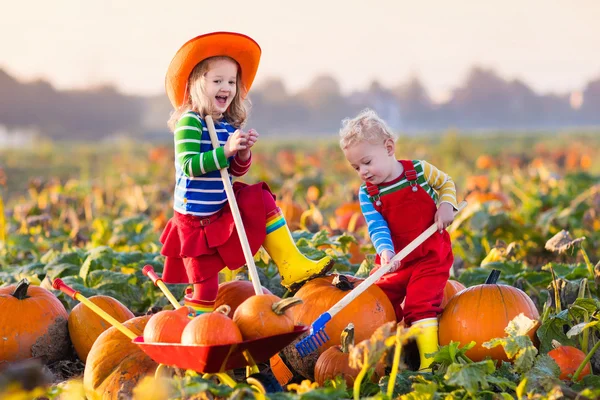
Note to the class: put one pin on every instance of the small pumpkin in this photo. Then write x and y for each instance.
(115, 365)
(452, 287)
(85, 325)
(234, 293)
(33, 323)
(212, 329)
(167, 326)
(265, 315)
(481, 313)
(335, 361)
(569, 358)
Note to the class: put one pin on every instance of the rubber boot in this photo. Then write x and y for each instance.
(427, 341)
(293, 266)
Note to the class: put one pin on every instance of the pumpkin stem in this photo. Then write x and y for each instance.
(282, 305)
(556, 344)
(341, 282)
(347, 338)
(223, 309)
(21, 289)
(492, 277)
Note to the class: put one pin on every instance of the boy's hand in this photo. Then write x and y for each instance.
(236, 142)
(444, 216)
(252, 138)
(386, 256)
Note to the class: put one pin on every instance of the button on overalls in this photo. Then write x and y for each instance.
(424, 272)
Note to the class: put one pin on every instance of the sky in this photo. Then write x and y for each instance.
(554, 46)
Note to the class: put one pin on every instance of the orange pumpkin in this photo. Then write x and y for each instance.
(115, 365)
(33, 323)
(167, 326)
(335, 361)
(569, 359)
(481, 313)
(265, 315)
(212, 329)
(233, 293)
(452, 287)
(367, 312)
(349, 217)
(85, 325)
(292, 212)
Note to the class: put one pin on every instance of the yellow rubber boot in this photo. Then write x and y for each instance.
(427, 341)
(293, 266)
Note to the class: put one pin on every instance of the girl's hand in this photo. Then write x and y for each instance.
(386, 256)
(444, 216)
(252, 138)
(236, 142)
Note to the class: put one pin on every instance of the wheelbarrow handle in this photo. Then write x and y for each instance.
(237, 218)
(149, 272)
(58, 284)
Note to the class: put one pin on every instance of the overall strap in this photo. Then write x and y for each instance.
(410, 173)
(373, 192)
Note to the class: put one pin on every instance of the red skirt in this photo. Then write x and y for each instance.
(210, 244)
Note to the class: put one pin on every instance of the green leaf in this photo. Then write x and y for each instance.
(544, 366)
(451, 354)
(553, 329)
(472, 377)
(99, 258)
(517, 345)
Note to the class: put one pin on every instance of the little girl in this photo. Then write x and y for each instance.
(211, 75)
(399, 200)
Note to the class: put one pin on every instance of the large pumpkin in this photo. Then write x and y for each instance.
(265, 315)
(115, 365)
(85, 325)
(335, 361)
(212, 329)
(367, 312)
(33, 323)
(481, 313)
(233, 293)
(452, 287)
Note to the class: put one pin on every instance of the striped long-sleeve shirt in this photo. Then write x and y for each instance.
(199, 189)
(436, 183)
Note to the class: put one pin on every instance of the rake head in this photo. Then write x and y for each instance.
(317, 336)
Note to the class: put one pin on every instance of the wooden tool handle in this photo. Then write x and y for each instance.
(237, 218)
(364, 285)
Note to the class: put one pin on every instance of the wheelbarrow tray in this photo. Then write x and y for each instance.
(214, 359)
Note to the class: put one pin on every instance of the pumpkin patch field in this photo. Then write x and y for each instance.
(521, 312)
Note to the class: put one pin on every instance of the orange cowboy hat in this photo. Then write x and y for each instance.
(241, 48)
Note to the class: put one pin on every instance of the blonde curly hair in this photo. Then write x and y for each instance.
(196, 99)
(366, 126)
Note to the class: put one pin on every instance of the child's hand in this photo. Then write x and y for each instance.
(444, 216)
(236, 142)
(252, 137)
(386, 256)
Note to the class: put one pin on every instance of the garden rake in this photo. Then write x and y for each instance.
(317, 335)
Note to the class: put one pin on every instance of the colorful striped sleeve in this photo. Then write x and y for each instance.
(379, 232)
(188, 139)
(239, 168)
(441, 182)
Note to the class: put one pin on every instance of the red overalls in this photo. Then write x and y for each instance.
(424, 272)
